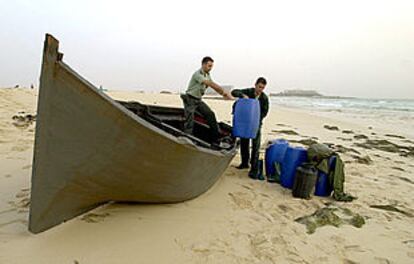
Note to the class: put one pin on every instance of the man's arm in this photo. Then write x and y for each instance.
(218, 89)
(240, 93)
(265, 108)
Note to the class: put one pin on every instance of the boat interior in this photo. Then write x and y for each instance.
(171, 120)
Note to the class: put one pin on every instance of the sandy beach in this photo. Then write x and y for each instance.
(239, 220)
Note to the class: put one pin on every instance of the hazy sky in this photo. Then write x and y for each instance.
(349, 48)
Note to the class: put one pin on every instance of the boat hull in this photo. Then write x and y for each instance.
(89, 150)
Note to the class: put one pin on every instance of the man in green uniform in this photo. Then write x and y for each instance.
(197, 86)
(254, 93)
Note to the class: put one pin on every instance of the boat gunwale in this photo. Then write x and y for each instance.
(145, 123)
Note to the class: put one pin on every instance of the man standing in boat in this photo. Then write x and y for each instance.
(197, 86)
(254, 93)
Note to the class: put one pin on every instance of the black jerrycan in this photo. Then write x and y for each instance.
(305, 181)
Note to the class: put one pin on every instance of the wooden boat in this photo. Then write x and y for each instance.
(90, 149)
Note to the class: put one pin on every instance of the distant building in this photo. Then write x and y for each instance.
(297, 92)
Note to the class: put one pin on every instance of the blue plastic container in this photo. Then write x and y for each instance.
(275, 153)
(323, 186)
(246, 118)
(294, 157)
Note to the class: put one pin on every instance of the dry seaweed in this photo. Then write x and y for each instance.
(405, 179)
(335, 128)
(360, 136)
(330, 215)
(387, 146)
(286, 132)
(307, 142)
(23, 120)
(394, 136)
(342, 149)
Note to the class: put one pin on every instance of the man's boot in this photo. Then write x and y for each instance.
(253, 173)
(260, 170)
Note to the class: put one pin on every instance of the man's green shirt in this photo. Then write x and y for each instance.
(196, 87)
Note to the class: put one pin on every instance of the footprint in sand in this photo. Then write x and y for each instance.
(284, 208)
(20, 221)
(23, 200)
(20, 148)
(242, 200)
(382, 260)
(348, 261)
(94, 217)
(355, 248)
(409, 243)
(27, 167)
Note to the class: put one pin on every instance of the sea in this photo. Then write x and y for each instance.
(392, 115)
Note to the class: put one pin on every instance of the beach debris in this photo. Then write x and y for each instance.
(387, 146)
(331, 127)
(23, 120)
(344, 139)
(342, 149)
(282, 125)
(391, 208)
(165, 92)
(405, 179)
(286, 132)
(394, 136)
(397, 168)
(360, 136)
(307, 142)
(347, 131)
(331, 215)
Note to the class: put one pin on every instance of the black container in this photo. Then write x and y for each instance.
(305, 180)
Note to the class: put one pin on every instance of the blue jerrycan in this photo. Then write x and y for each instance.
(274, 155)
(246, 118)
(294, 157)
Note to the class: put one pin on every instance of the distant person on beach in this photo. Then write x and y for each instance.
(254, 93)
(199, 82)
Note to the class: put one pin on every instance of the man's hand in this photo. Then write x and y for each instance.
(245, 96)
(227, 96)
